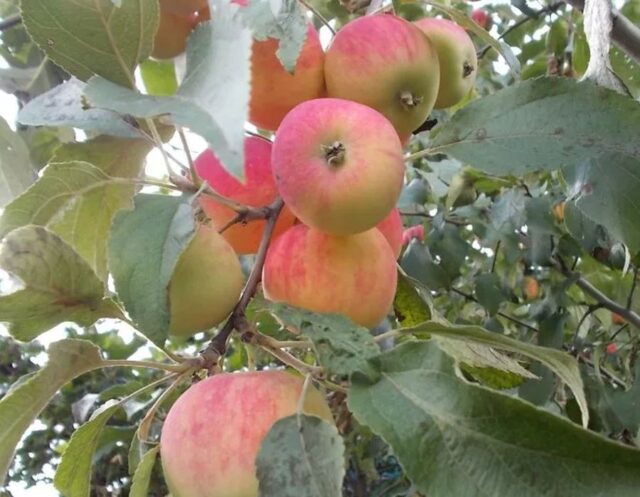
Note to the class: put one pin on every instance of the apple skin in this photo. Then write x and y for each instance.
(338, 165)
(391, 227)
(274, 91)
(351, 275)
(531, 288)
(212, 433)
(376, 59)
(457, 56)
(258, 190)
(172, 35)
(182, 7)
(205, 285)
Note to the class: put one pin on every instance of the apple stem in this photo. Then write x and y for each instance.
(334, 153)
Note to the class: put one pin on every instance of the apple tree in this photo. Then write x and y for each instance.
(320, 248)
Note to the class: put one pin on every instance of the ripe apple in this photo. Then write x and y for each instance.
(274, 91)
(205, 285)
(391, 228)
(213, 432)
(172, 34)
(457, 56)
(384, 62)
(352, 275)
(558, 211)
(617, 318)
(414, 232)
(182, 7)
(258, 190)
(531, 287)
(482, 18)
(338, 165)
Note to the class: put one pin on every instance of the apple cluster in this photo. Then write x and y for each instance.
(337, 162)
(340, 122)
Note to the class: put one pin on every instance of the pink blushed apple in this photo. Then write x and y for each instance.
(351, 275)
(212, 434)
(338, 165)
(258, 190)
(386, 63)
(457, 56)
(391, 228)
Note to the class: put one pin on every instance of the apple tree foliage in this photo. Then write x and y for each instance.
(509, 366)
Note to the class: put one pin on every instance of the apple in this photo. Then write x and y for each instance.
(391, 228)
(384, 62)
(617, 318)
(531, 287)
(274, 91)
(182, 7)
(258, 190)
(351, 275)
(558, 211)
(482, 18)
(457, 56)
(338, 165)
(213, 432)
(172, 34)
(205, 285)
(414, 232)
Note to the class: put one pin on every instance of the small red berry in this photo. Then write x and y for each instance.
(482, 19)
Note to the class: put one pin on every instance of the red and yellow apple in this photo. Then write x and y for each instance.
(391, 228)
(531, 287)
(172, 35)
(182, 7)
(259, 189)
(213, 432)
(351, 275)
(205, 285)
(386, 63)
(457, 56)
(338, 165)
(274, 91)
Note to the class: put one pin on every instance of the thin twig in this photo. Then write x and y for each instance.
(500, 313)
(596, 294)
(192, 167)
(320, 17)
(495, 257)
(545, 10)
(237, 321)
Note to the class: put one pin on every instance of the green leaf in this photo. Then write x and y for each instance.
(68, 359)
(63, 106)
(80, 192)
(301, 456)
(16, 171)
(73, 476)
(289, 27)
(489, 292)
(341, 345)
(564, 365)
(605, 189)
(159, 77)
(546, 123)
(143, 250)
(457, 439)
(409, 304)
(142, 476)
(93, 37)
(469, 24)
(57, 285)
(214, 96)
